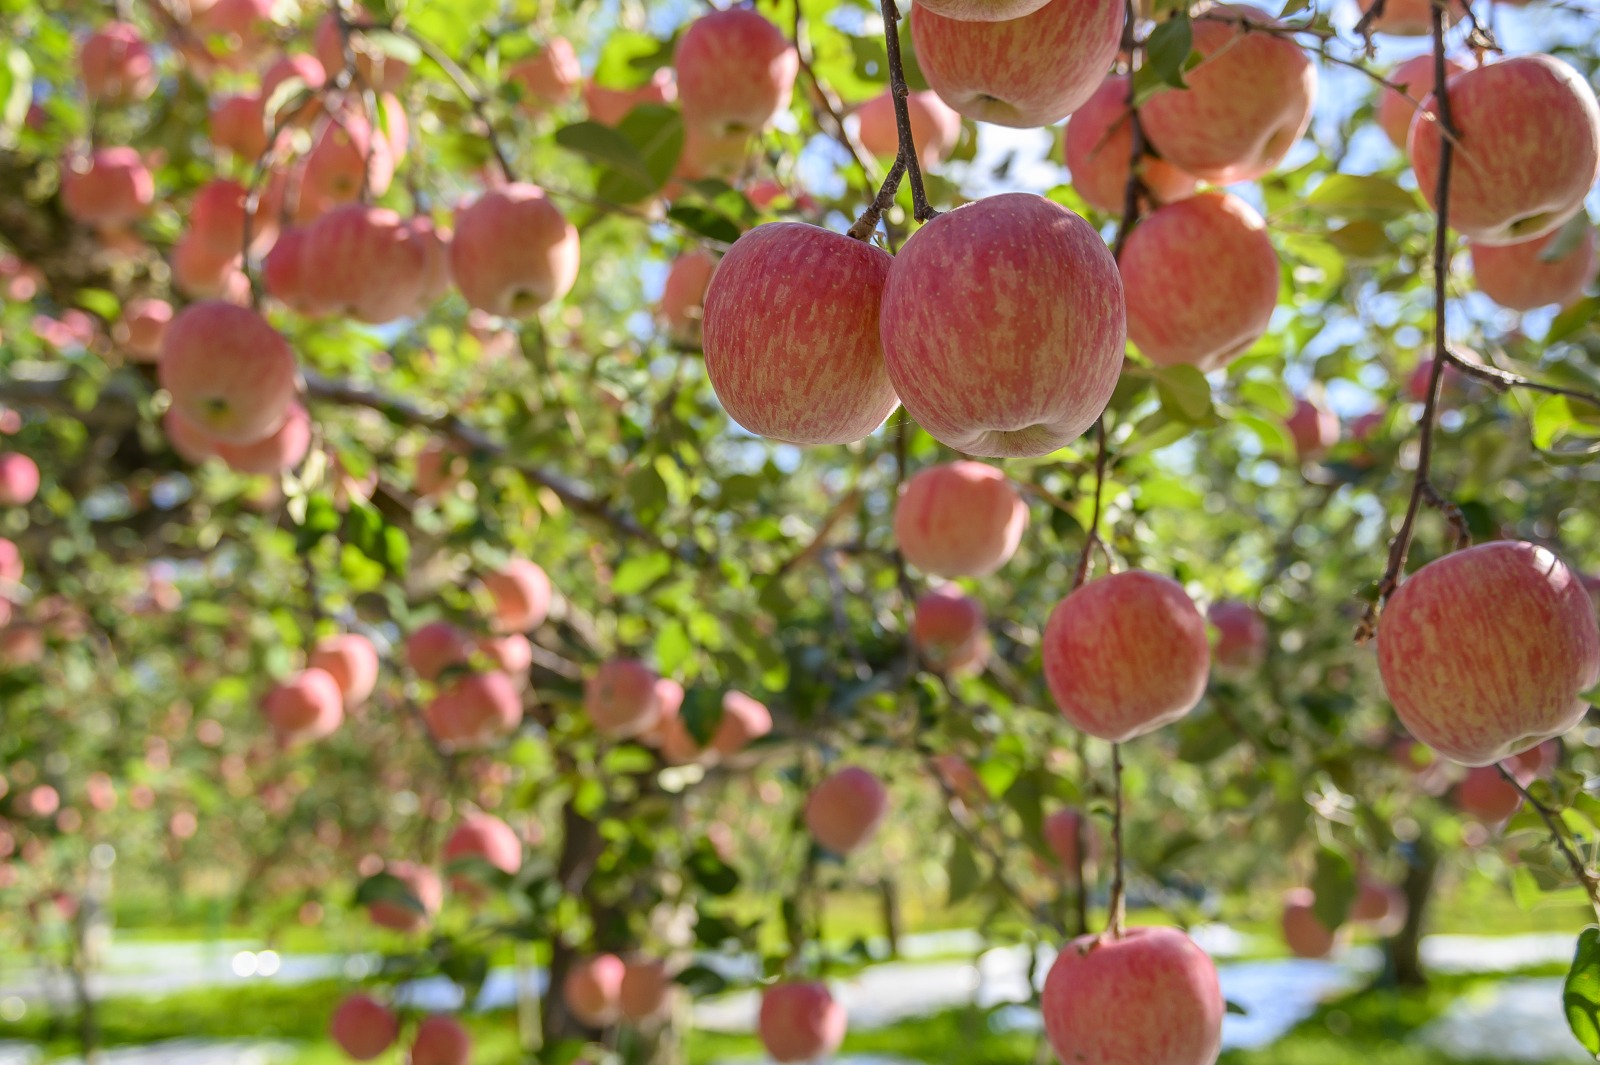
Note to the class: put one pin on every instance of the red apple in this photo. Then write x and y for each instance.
(957, 774)
(347, 157)
(1408, 18)
(486, 837)
(374, 68)
(1098, 146)
(610, 106)
(948, 631)
(426, 891)
(363, 1027)
(549, 77)
(351, 660)
(961, 519)
(683, 296)
(203, 274)
(19, 479)
(112, 187)
(435, 647)
(188, 440)
(230, 374)
(238, 125)
(1314, 428)
(474, 711)
(440, 467)
(1303, 932)
(646, 989)
(843, 811)
(982, 10)
(521, 594)
(1486, 796)
(11, 567)
(143, 324)
(1396, 111)
(800, 1022)
(1533, 274)
(305, 707)
(1069, 834)
(364, 263)
(284, 449)
(116, 65)
(1242, 638)
(935, 126)
(300, 66)
(236, 31)
(441, 1040)
(592, 990)
(511, 654)
(513, 251)
(735, 70)
(621, 698)
(1381, 905)
(435, 244)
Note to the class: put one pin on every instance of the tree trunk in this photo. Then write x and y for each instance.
(889, 893)
(1403, 952)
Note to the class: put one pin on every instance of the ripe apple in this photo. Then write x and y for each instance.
(1488, 797)
(1506, 185)
(1066, 832)
(141, 327)
(373, 67)
(548, 78)
(1003, 325)
(1201, 279)
(1381, 905)
(282, 449)
(1126, 654)
(305, 707)
(621, 698)
(646, 989)
(511, 654)
(844, 810)
(683, 297)
(217, 219)
(960, 519)
(363, 1027)
(363, 263)
(948, 630)
(239, 126)
(736, 71)
(351, 660)
(11, 567)
(483, 836)
(1486, 652)
(1314, 428)
(1536, 762)
(1409, 18)
(1242, 638)
(521, 594)
(1396, 111)
(982, 10)
(236, 31)
(230, 374)
(1518, 277)
(474, 711)
(426, 890)
(791, 335)
(202, 274)
(19, 479)
(1033, 70)
(592, 990)
(190, 443)
(116, 65)
(1098, 146)
(1303, 933)
(435, 647)
(441, 1040)
(800, 1022)
(513, 251)
(935, 126)
(285, 276)
(609, 106)
(347, 156)
(112, 187)
(1247, 103)
(434, 241)
(957, 774)
(1149, 998)
(306, 68)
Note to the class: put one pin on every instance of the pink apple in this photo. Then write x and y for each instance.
(592, 990)
(843, 811)
(683, 297)
(1126, 654)
(549, 77)
(236, 31)
(485, 837)
(947, 628)
(217, 219)
(791, 335)
(285, 274)
(189, 442)
(363, 1027)
(1071, 838)
(474, 711)
(441, 1040)
(1314, 428)
(1409, 18)
(364, 262)
(521, 594)
(511, 654)
(1003, 325)
(1381, 905)
(961, 519)
(283, 449)
(744, 720)
(19, 479)
(1536, 762)
(621, 699)
(1149, 998)
(202, 274)
(800, 1022)
(1033, 70)
(1247, 103)
(11, 566)
(1396, 111)
(736, 71)
(347, 156)
(238, 125)
(646, 989)
(435, 647)
(982, 10)
(1520, 278)
(957, 774)
(513, 251)
(1508, 186)
(300, 66)
(710, 154)
(1242, 638)
(374, 68)
(1486, 652)
(305, 707)
(116, 65)
(609, 106)
(230, 374)
(1303, 931)
(426, 891)
(935, 126)
(112, 187)
(351, 660)
(142, 325)
(1486, 796)
(434, 241)
(1098, 146)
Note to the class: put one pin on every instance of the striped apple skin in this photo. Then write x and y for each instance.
(959, 519)
(231, 375)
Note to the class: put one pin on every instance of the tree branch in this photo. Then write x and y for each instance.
(1586, 877)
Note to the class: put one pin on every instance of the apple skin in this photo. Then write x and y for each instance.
(959, 519)
(363, 1027)
(1098, 145)
(1004, 326)
(19, 479)
(744, 720)
(1149, 998)
(1314, 428)
(484, 836)
(231, 375)
(238, 125)
(844, 810)
(683, 297)
(474, 711)
(1486, 652)
(935, 126)
(521, 592)
(1488, 797)
(1381, 905)
(1517, 278)
(382, 72)
(116, 66)
(1024, 72)
(1408, 18)
(283, 449)
(513, 251)
(982, 10)
(297, 65)
(800, 1022)
(791, 334)
(112, 187)
(435, 647)
(305, 707)
(621, 698)
(1242, 638)
(284, 274)
(1247, 103)
(592, 990)
(1395, 111)
(548, 78)
(1529, 128)
(364, 263)
(189, 442)
(425, 887)
(735, 70)
(217, 218)
(947, 629)
(1061, 836)
(11, 567)
(441, 1040)
(202, 274)
(1303, 933)
(609, 106)
(1201, 279)
(1126, 654)
(646, 989)
(351, 660)
(346, 155)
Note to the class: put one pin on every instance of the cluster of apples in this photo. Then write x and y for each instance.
(365, 1028)
(604, 989)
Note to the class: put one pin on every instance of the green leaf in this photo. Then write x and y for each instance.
(1581, 993)
(1232, 1006)
(1334, 883)
(386, 887)
(701, 713)
(656, 134)
(1362, 239)
(394, 45)
(1592, 696)
(1167, 50)
(629, 58)
(1567, 239)
(640, 572)
(16, 93)
(710, 872)
(603, 145)
(1185, 393)
(702, 981)
(1572, 319)
(963, 872)
(1361, 196)
(705, 221)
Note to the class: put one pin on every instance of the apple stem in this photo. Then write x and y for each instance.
(1586, 876)
(905, 162)
(1135, 187)
(1116, 918)
(1093, 541)
(1363, 27)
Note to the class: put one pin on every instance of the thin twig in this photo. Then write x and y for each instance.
(469, 90)
(1086, 559)
(1503, 380)
(920, 208)
(1586, 876)
(1116, 918)
(1135, 187)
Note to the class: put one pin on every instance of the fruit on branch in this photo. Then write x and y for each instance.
(238, 125)
(286, 277)
(735, 70)
(1149, 997)
(348, 156)
(363, 1027)
(310, 72)
(521, 593)
(1529, 129)
(1536, 762)
(374, 68)
(1381, 905)
(948, 630)
(440, 467)
(229, 373)
(202, 274)
(11, 567)
(1410, 18)
(486, 837)
(140, 328)
(1201, 279)
(956, 775)
(513, 251)
(1314, 428)
(1395, 111)
(1550, 270)
(646, 989)
(435, 647)
(235, 31)
(19, 479)
(791, 335)
(744, 720)
(1488, 797)
(982, 10)
(364, 263)
(112, 187)
(959, 519)
(1029, 71)
(1098, 144)
(548, 78)
(1487, 652)
(609, 106)
(1303, 931)
(683, 297)
(425, 894)
(282, 449)
(621, 699)
(1071, 838)
(441, 1040)
(1004, 326)
(188, 441)
(1453, 389)
(709, 154)
(1242, 638)
(474, 711)
(800, 1022)
(1248, 101)
(511, 654)
(305, 707)
(435, 244)
(935, 126)
(844, 810)
(592, 990)
(116, 66)
(351, 660)
(1126, 654)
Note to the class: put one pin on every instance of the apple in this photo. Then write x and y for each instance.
(440, 467)
(1507, 185)
(513, 251)
(1303, 932)
(141, 326)
(512, 654)
(1242, 638)
(441, 1040)
(426, 891)
(1409, 18)
(485, 837)
(791, 335)
(285, 276)
(116, 65)
(351, 660)
(1003, 326)
(948, 631)
(1456, 386)
(1381, 905)
(41, 801)
(374, 68)
(800, 1022)
(283, 449)
(957, 774)
(1149, 998)
(11, 566)
(364, 263)
(100, 792)
(1396, 111)
(1126, 654)
(609, 106)
(474, 711)
(1314, 428)
(592, 990)
(19, 479)
(621, 698)
(744, 720)
(305, 707)
(521, 594)
(1072, 838)
(1488, 797)
(959, 519)
(112, 187)
(1536, 762)
(646, 989)
(766, 192)
(230, 374)
(1098, 146)
(1487, 652)
(982, 10)
(347, 156)
(683, 297)
(434, 241)
(709, 154)
(238, 125)
(190, 443)
(1248, 101)
(363, 1027)
(735, 70)
(435, 647)
(935, 126)
(306, 68)
(844, 810)
(242, 29)
(1033, 70)
(217, 219)
(547, 78)
(202, 274)
(1519, 277)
